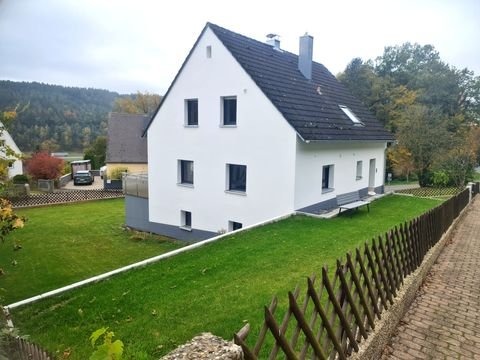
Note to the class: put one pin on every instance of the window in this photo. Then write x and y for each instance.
(233, 225)
(236, 177)
(191, 112)
(229, 111)
(327, 177)
(185, 172)
(359, 169)
(351, 115)
(11, 163)
(209, 51)
(185, 220)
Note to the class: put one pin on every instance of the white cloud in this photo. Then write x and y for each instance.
(128, 45)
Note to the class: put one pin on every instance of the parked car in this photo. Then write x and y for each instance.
(83, 177)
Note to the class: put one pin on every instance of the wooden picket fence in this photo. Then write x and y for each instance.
(61, 197)
(21, 349)
(340, 308)
(431, 192)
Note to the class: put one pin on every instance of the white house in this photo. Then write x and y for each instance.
(248, 132)
(15, 166)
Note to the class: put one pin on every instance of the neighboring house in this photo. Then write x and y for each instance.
(248, 132)
(15, 166)
(126, 148)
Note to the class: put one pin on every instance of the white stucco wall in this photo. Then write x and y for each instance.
(262, 140)
(344, 156)
(17, 167)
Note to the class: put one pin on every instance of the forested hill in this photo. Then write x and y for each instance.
(51, 114)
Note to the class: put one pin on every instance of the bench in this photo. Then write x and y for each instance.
(351, 201)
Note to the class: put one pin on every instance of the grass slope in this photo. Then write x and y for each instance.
(214, 288)
(66, 243)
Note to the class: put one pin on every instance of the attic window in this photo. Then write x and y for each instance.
(209, 51)
(350, 115)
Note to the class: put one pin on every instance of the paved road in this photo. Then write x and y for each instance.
(444, 319)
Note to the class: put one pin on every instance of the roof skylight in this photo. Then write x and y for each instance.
(350, 115)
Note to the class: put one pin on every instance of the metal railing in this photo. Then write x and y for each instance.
(136, 185)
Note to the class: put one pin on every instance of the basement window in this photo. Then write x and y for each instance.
(186, 220)
(234, 225)
(351, 115)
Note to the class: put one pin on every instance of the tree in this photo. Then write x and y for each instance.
(401, 161)
(44, 166)
(380, 94)
(97, 152)
(141, 103)
(49, 146)
(6, 152)
(421, 69)
(459, 161)
(423, 132)
(55, 113)
(9, 221)
(430, 106)
(359, 77)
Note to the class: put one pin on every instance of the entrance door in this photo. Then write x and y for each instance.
(371, 175)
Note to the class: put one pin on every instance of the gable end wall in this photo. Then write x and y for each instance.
(263, 141)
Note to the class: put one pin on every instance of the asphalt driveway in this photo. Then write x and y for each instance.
(97, 185)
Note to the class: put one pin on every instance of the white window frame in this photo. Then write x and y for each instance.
(179, 173)
(231, 224)
(187, 101)
(356, 121)
(183, 220)
(359, 173)
(209, 51)
(331, 178)
(227, 180)
(222, 113)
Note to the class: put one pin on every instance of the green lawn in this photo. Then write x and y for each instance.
(66, 243)
(215, 288)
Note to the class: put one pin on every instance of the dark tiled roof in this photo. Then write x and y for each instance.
(125, 141)
(313, 116)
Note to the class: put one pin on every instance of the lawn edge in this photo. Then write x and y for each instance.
(136, 265)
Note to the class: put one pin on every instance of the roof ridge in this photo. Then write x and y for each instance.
(267, 46)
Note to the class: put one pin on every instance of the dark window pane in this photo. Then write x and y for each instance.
(188, 219)
(186, 172)
(237, 177)
(325, 177)
(192, 112)
(236, 225)
(229, 111)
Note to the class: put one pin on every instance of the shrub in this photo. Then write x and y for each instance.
(44, 166)
(20, 179)
(441, 179)
(116, 173)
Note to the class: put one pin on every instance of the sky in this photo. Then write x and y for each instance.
(129, 46)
